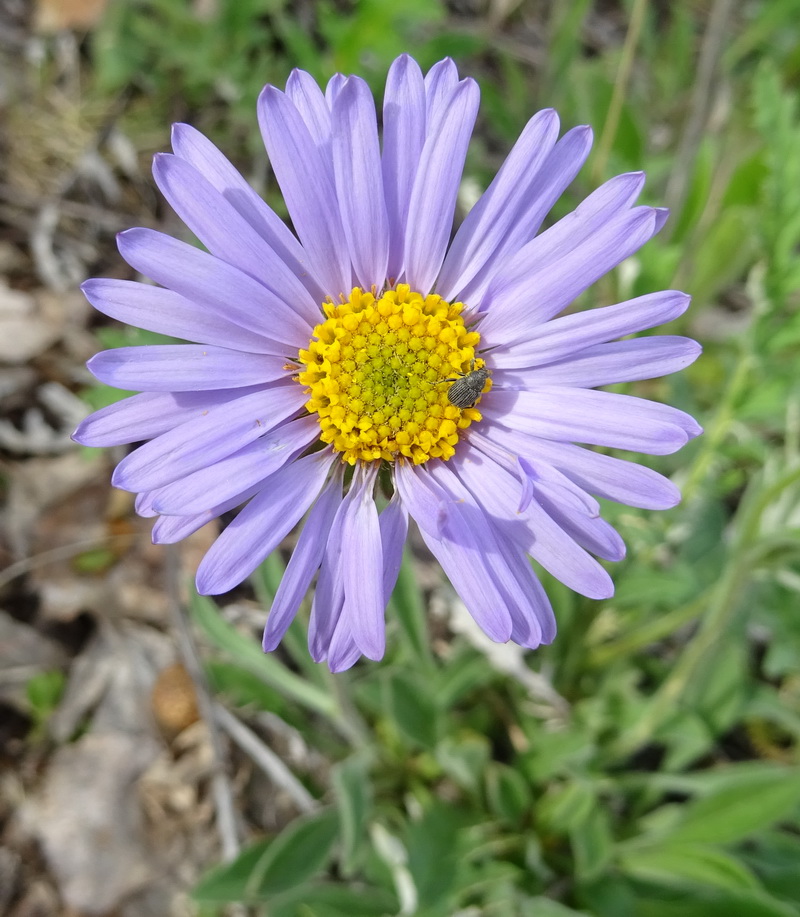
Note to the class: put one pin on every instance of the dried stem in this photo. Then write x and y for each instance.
(265, 759)
(220, 784)
(700, 104)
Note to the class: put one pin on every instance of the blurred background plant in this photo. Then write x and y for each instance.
(646, 764)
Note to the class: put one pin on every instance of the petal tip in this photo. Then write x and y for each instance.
(78, 434)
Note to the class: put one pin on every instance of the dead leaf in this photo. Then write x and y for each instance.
(174, 700)
(56, 15)
(89, 822)
(26, 329)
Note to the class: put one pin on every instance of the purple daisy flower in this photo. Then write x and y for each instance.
(364, 342)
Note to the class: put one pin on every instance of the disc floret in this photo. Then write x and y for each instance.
(375, 371)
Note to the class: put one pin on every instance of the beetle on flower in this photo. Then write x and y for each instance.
(335, 347)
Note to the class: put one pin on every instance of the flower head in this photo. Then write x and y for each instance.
(366, 341)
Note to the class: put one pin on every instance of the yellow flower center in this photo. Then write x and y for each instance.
(377, 373)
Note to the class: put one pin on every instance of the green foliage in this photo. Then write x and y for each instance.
(647, 763)
(43, 692)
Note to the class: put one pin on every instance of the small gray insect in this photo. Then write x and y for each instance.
(467, 387)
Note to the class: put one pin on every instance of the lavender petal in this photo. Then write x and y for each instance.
(534, 530)
(219, 287)
(606, 476)
(359, 184)
(468, 554)
(533, 295)
(607, 364)
(171, 529)
(362, 565)
(239, 471)
(403, 139)
(206, 439)
(304, 562)
(200, 152)
(166, 312)
(184, 368)
(558, 171)
(148, 415)
(310, 102)
(261, 526)
(440, 83)
(568, 334)
(433, 198)
(597, 418)
(394, 529)
(307, 182)
(496, 214)
(227, 234)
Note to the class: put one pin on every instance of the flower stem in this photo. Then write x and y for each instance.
(620, 89)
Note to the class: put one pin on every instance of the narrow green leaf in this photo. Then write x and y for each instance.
(546, 907)
(272, 866)
(707, 902)
(566, 807)
(433, 853)
(774, 859)
(464, 757)
(413, 709)
(592, 844)
(688, 864)
(250, 656)
(299, 852)
(267, 577)
(354, 798)
(329, 900)
(410, 611)
(229, 881)
(508, 793)
(739, 809)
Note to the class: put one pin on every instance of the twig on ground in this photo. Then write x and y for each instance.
(264, 758)
(220, 784)
(64, 552)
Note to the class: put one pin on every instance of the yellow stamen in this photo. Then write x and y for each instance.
(375, 372)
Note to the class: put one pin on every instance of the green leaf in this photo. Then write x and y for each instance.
(243, 688)
(704, 902)
(609, 895)
(557, 752)
(299, 852)
(329, 900)
(44, 691)
(688, 864)
(463, 757)
(95, 561)
(546, 907)
(250, 656)
(656, 588)
(354, 799)
(508, 793)
(229, 882)
(774, 859)
(433, 853)
(268, 867)
(410, 610)
(592, 844)
(566, 807)
(466, 673)
(739, 809)
(723, 253)
(412, 708)
(267, 577)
